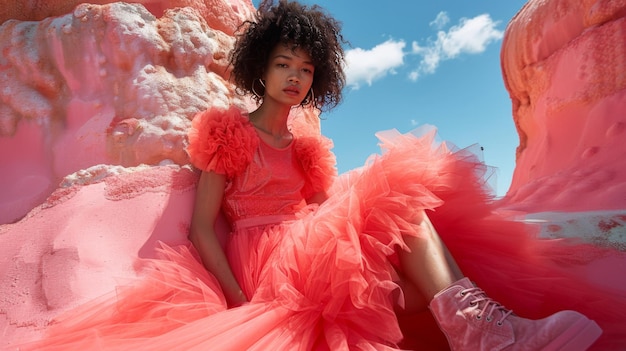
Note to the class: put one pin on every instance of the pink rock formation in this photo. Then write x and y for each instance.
(95, 104)
(223, 15)
(112, 83)
(564, 66)
(85, 240)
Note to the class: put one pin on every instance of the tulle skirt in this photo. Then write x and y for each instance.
(326, 278)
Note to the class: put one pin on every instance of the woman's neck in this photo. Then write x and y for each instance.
(271, 123)
(271, 120)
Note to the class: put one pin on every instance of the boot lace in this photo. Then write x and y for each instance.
(486, 305)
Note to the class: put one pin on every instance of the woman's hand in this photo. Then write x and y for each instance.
(239, 300)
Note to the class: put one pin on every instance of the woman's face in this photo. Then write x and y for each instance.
(288, 75)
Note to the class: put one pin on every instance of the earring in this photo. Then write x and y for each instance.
(308, 100)
(254, 91)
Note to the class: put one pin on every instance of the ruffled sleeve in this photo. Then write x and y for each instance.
(318, 162)
(222, 141)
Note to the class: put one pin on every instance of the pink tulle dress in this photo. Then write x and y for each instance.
(324, 277)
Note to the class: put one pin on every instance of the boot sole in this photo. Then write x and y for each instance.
(578, 337)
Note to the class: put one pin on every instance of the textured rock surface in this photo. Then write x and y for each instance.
(563, 63)
(223, 15)
(107, 84)
(95, 104)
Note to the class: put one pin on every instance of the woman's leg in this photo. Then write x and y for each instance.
(428, 265)
(473, 321)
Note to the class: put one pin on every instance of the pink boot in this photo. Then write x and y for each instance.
(473, 322)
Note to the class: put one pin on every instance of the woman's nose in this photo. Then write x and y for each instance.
(294, 77)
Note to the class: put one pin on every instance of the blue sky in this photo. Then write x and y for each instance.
(412, 63)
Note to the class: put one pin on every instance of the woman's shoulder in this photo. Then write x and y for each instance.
(314, 153)
(222, 140)
(216, 118)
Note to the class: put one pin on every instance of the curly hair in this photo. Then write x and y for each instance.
(302, 27)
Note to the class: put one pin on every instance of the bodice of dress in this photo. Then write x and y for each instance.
(265, 185)
(268, 191)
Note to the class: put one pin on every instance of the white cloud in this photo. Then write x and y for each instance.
(440, 21)
(366, 66)
(470, 36)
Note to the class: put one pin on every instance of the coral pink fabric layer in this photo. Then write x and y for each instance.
(324, 281)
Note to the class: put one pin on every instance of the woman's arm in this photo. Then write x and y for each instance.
(202, 234)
